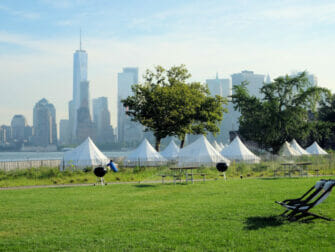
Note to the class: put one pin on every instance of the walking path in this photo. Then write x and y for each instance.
(77, 185)
(110, 183)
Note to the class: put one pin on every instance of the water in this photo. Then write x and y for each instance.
(19, 156)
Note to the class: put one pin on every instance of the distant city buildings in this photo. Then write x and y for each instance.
(64, 132)
(18, 126)
(81, 124)
(255, 81)
(101, 118)
(79, 113)
(44, 124)
(5, 135)
(128, 131)
(95, 122)
(222, 87)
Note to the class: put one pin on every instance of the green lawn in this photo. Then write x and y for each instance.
(236, 215)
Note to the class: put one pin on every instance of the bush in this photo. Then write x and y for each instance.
(259, 168)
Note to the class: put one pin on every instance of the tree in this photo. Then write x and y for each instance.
(166, 105)
(281, 114)
(324, 130)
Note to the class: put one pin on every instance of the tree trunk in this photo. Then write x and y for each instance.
(158, 143)
(182, 142)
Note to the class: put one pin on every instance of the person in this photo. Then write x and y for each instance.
(112, 166)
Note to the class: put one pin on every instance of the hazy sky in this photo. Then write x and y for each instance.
(38, 38)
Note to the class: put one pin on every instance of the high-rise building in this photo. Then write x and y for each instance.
(44, 124)
(18, 125)
(223, 88)
(79, 77)
(64, 132)
(255, 81)
(5, 134)
(128, 131)
(312, 79)
(84, 122)
(218, 86)
(101, 115)
(101, 119)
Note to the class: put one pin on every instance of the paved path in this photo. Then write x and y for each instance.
(77, 185)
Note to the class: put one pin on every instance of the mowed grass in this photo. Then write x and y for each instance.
(232, 215)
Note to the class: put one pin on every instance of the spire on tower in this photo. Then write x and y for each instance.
(80, 39)
(217, 75)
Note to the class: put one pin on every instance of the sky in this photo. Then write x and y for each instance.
(38, 39)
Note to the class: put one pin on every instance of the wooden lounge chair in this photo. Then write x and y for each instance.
(311, 194)
(297, 208)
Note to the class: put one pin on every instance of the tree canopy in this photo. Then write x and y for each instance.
(280, 114)
(169, 106)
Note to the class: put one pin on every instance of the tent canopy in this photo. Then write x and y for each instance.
(200, 153)
(287, 151)
(315, 149)
(85, 155)
(144, 154)
(298, 148)
(171, 151)
(236, 150)
(217, 146)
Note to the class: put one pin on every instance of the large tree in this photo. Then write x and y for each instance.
(282, 112)
(324, 129)
(169, 106)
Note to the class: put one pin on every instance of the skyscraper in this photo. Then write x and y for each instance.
(101, 119)
(218, 86)
(64, 132)
(5, 134)
(128, 131)
(255, 81)
(44, 124)
(79, 76)
(223, 88)
(18, 125)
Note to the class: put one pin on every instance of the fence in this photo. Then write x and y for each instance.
(269, 164)
(24, 164)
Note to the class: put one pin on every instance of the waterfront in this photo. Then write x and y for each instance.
(21, 156)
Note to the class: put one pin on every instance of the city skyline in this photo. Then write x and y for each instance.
(37, 42)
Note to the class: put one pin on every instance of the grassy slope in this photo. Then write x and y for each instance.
(232, 215)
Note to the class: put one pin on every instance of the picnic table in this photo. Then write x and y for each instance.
(179, 172)
(291, 167)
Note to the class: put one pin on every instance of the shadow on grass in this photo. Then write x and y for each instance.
(257, 222)
(144, 186)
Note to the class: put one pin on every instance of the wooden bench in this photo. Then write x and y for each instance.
(175, 177)
(191, 174)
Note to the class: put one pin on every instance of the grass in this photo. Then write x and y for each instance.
(236, 215)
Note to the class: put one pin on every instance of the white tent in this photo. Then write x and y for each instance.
(236, 150)
(315, 149)
(84, 155)
(287, 151)
(171, 151)
(200, 153)
(217, 146)
(298, 148)
(144, 155)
